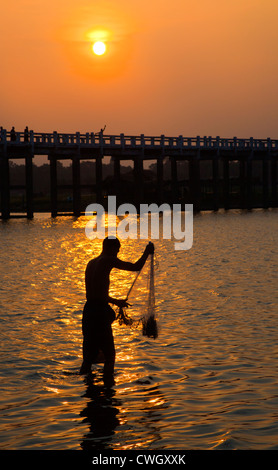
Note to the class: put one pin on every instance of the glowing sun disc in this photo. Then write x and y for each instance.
(99, 48)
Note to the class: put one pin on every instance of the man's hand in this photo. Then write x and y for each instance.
(150, 248)
(121, 303)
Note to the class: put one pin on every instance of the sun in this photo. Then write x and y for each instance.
(99, 48)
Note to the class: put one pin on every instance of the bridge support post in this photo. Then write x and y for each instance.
(249, 186)
(174, 181)
(265, 182)
(76, 186)
(29, 186)
(5, 185)
(53, 186)
(99, 179)
(159, 175)
(242, 184)
(138, 178)
(117, 176)
(274, 181)
(226, 182)
(215, 176)
(195, 182)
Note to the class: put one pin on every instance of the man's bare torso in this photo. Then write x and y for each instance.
(98, 272)
(97, 277)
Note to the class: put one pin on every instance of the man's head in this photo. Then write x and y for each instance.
(111, 245)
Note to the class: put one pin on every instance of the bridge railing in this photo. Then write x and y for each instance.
(125, 141)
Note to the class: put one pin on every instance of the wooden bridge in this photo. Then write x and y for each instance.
(220, 152)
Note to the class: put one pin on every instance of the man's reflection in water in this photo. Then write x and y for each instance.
(103, 409)
(101, 415)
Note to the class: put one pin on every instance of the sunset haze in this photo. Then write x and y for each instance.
(181, 67)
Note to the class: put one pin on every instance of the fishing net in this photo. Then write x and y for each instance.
(149, 322)
(123, 318)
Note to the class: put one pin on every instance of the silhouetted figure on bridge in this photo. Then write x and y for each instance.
(102, 130)
(26, 134)
(13, 134)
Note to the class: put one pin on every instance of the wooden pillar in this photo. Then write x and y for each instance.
(215, 176)
(53, 186)
(159, 176)
(117, 177)
(242, 182)
(249, 188)
(274, 181)
(99, 179)
(29, 186)
(174, 181)
(139, 181)
(5, 185)
(226, 182)
(76, 186)
(265, 181)
(195, 182)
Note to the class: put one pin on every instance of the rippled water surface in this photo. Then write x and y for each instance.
(209, 381)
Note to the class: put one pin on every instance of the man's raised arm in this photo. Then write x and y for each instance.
(138, 265)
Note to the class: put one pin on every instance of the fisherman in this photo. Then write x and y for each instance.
(26, 134)
(98, 315)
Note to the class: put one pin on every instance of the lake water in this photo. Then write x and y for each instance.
(209, 381)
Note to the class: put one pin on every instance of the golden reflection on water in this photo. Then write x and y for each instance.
(209, 381)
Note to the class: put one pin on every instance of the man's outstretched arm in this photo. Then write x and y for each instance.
(138, 265)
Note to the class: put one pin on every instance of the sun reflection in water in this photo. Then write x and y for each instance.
(51, 389)
(67, 292)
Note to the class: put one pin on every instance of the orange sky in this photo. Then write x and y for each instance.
(191, 67)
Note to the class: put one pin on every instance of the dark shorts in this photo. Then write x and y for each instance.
(97, 332)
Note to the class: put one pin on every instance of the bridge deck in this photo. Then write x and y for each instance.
(45, 141)
(77, 146)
